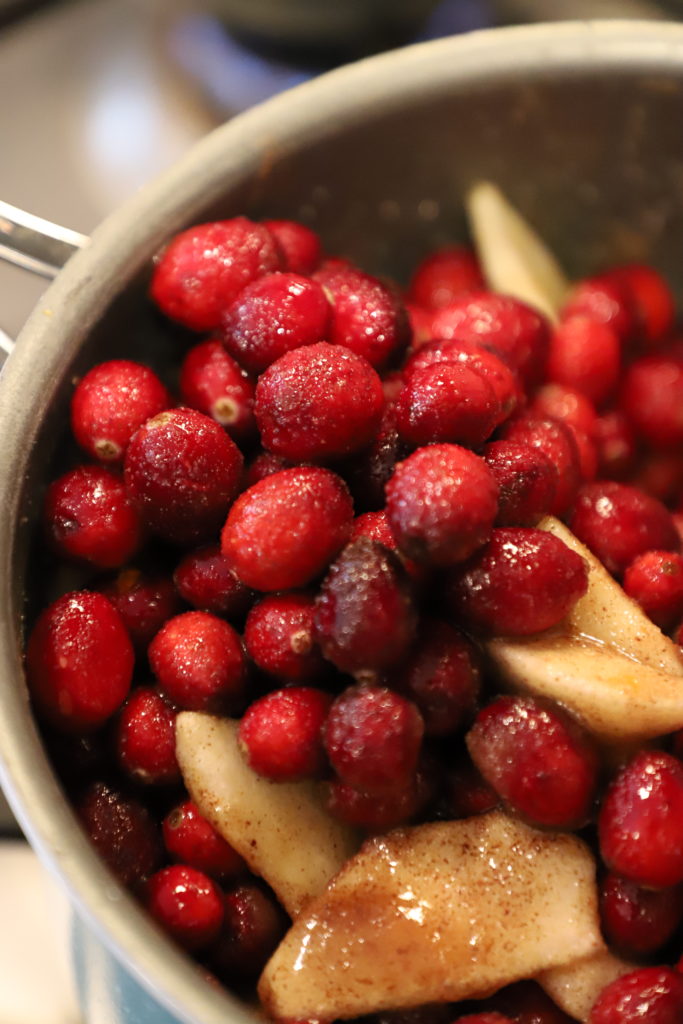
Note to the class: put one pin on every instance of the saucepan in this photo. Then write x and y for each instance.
(579, 123)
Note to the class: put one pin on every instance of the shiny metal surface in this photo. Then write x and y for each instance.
(34, 243)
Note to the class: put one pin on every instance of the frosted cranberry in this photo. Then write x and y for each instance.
(278, 636)
(203, 269)
(367, 316)
(560, 402)
(444, 275)
(441, 503)
(300, 246)
(618, 523)
(199, 662)
(521, 582)
(371, 812)
(365, 617)
(205, 580)
(280, 734)
(87, 516)
(284, 531)
(369, 472)
(191, 839)
(466, 791)
(187, 904)
(109, 404)
(144, 601)
(318, 403)
(526, 479)
(651, 298)
(638, 921)
(526, 1003)
(122, 832)
(79, 661)
(442, 677)
(214, 384)
(447, 402)
(373, 737)
(650, 995)
(182, 471)
(641, 820)
(655, 580)
(375, 526)
(616, 445)
(604, 300)
(253, 926)
(263, 465)
(652, 398)
(538, 759)
(145, 738)
(557, 441)
(586, 355)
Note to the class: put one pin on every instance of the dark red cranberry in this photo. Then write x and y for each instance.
(368, 472)
(371, 812)
(205, 580)
(588, 454)
(284, 531)
(447, 402)
(441, 503)
(429, 1013)
(655, 580)
(538, 759)
(616, 445)
(465, 791)
(190, 839)
(203, 269)
(182, 471)
(557, 441)
(253, 926)
(652, 398)
(638, 921)
(660, 474)
(526, 1003)
(111, 402)
(79, 662)
(263, 465)
(586, 355)
(214, 384)
(279, 637)
(373, 737)
(651, 299)
(144, 601)
(318, 403)
(521, 582)
(526, 479)
(444, 275)
(187, 904)
(618, 523)
(606, 301)
(199, 662)
(559, 402)
(365, 617)
(487, 1017)
(87, 516)
(280, 734)
(122, 831)
(300, 246)
(145, 739)
(650, 994)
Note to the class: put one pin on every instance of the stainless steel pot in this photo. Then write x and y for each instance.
(580, 124)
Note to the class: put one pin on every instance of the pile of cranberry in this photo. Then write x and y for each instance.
(317, 531)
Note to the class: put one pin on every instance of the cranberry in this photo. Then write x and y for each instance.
(586, 355)
(537, 758)
(447, 402)
(444, 276)
(371, 812)
(263, 465)
(441, 503)
(145, 738)
(300, 246)
(374, 526)
(650, 994)
(526, 1003)
(559, 402)
(369, 472)
(122, 832)
(203, 269)
(641, 820)
(191, 839)
(214, 384)
(281, 733)
(284, 531)
(605, 300)
(372, 737)
(79, 662)
(484, 1018)
(521, 582)
(588, 454)
(144, 601)
(557, 441)
(466, 791)
(660, 474)
(87, 516)
(278, 636)
(199, 662)
(420, 320)
(111, 402)
(638, 921)
(253, 926)
(187, 904)
(205, 580)
(616, 445)
(365, 617)
(618, 523)
(651, 298)
(526, 479)
(652, 398)
(318, 403)
(429, 1013)
(655, 580)
(182, 471)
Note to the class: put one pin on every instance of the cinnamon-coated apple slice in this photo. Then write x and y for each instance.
(576, 986)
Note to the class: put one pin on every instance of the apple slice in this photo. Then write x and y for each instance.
(282, 829)
(437, 913)
(576, 987)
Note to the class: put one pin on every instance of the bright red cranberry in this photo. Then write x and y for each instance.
(655, 580)
(526, 479)
(122, 831)
(253, 926)
(444, 276)
(87, 516)
(447, 402)
(300, 246)
(618, 523)
(280, 734)
(203, 269)
(145, 738)
(79, 661)
(111, 402)
(375, 526)
(650, 995)
(284, 531)
(651, 298)
(441, 503)
(538, 759)
(586, 355)
(373, 737)
(420, 320)
(273, 315)
(187, 904)
(182, 471)
(526, 1003)
(616, 445)
(365, 616)
(213, 383)
(465, 791)
(558, 442)
(652, 398)
(318, 403)
(279, 637)
(263, 465)
(638, 921)
(604, 300)
(368, 472)
(371, 812)
(190, 839)
(641, 821)
(199, 662)
(144, 601)
(205, 580)
(367, 316)
(521, 582)
(560, 402)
